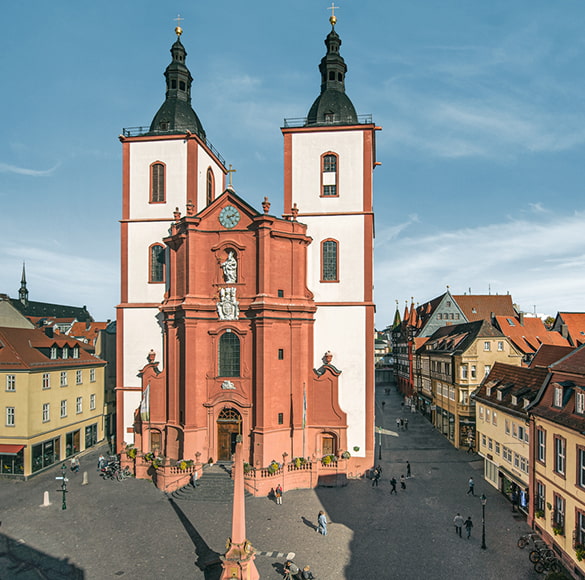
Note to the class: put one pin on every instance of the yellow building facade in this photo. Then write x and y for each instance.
(52, 400)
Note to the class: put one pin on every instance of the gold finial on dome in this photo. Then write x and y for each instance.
(333, 18)
(178, 29)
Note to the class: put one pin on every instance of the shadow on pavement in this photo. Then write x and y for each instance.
(208, 560)
(17, 560)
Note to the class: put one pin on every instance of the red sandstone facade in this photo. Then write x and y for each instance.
(272, 396)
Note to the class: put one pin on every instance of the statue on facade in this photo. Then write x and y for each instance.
(230, 269)
(228, 308)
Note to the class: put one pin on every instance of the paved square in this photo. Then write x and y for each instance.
(131, 530)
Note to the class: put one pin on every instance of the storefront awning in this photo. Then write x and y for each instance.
(512, 477)
(10, 449)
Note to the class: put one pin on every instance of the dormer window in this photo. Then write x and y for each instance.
(499, 395)
(488, 391)
(580, 402)
(53, 352)
(75, 352)
(514, 400)
(65, 352)
(558, 397)
(526, 403)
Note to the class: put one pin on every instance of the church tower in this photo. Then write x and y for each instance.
(168, 165)
(329, 159)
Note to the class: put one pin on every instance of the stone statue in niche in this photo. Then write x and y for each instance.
(228, 308)
(230, 269)
(227, 385)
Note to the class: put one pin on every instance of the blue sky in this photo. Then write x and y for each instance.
(482, 106)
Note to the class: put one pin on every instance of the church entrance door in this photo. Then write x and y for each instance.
(229, 426)
(328, 445)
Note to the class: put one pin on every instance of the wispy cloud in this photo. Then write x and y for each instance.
(539, 262)
(6, 168)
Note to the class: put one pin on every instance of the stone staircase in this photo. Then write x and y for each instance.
(215, 485)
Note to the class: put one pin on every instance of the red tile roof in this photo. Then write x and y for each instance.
(481, 307)
(530, 334)
(87, 330)
(20, 348)
(548, 354)
(575, 322)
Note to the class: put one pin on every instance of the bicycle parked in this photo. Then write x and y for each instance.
(541, 552)
(526, 539)
(550, 563)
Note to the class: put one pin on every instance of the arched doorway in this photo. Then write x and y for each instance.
(328, 444)
(229, 426)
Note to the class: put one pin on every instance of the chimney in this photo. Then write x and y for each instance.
(521, 318)
(564, 331)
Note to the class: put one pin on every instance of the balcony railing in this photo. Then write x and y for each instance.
(335, 120)
(139, 131)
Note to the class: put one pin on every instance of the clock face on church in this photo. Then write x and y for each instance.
(229, 217)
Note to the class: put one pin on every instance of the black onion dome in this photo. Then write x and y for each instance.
(176, 114)
(332, 106)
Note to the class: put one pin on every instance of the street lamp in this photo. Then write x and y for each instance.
(380, 442)
(64, 481)
(483, 499)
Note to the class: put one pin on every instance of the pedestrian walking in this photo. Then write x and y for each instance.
(408, 470)
(379, 468)
(375, 478)
(291, 570)
(393, 484)
(397, 423)
(402, 482)
(458, 523)
(278, 494)
(101, 461)
(471, 486)
(470, 445)
(194, 479)
(468, 525)
(406, 424)
(322, 521)
(514, 500)
(307, 574)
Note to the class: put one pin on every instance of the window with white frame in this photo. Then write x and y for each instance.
(92, 375)
(452, 393)
(11, 382)
(53, 352)
(487, 345)
(580, 402)
(540, 500)
(46, 380)
(480, 408)
(507, 426)
(541, 445)
(63, 382)
(464, 371)
(558, 397)
(494, 418)
(488, 415)
(559, 513)
(581, 467)
(75, 352)
(486, 370)
(463, 397)
(497, 448)
(473, 372)
(500, 345)
(92, 402)
(46, 412)
(10, 414)
(483, 439)
(521, 432)
(580, 527)
(490, 443)
(64, 408)
(79, 405)
(65, 352)
(507, 453)
(560, 454)
(79, 377)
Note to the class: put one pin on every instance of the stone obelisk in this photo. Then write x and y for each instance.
(238, 561)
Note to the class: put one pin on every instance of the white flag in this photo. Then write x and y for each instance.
(145, 404)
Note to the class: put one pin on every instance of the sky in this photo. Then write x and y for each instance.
(482, 148)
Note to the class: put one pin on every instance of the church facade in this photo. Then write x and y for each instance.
(234, 321)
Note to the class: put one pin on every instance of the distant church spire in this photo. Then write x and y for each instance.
(23, 292)
(176, 114)
(332, 106)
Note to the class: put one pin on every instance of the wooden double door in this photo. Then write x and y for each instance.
(229, 426)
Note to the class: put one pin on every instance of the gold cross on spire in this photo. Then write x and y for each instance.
(178, 29)
(229, 172)
(332, 18)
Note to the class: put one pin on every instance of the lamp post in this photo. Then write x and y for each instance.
(483, 499)
(64, 481)
(380, 443)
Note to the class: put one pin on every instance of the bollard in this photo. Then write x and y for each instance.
(85, 479)
(46, 502)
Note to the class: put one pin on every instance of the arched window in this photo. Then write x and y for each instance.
(329, 261)
(156, 263)
(210, 185)
(157, 182)
(229, 355)
(329, 163)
